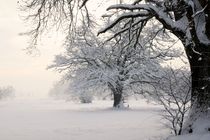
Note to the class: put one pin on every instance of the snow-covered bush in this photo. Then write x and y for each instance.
(85, 98)
(60, 91)
(7, 92)
(63, 90)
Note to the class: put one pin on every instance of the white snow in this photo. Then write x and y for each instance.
(192, 137)
(200, 129)
(46, 119)
(200, 58)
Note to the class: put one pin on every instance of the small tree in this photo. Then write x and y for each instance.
(173, 92)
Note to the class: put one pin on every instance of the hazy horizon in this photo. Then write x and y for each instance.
(27, 74)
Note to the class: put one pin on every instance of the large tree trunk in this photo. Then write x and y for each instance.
(117, 91)
(199, 59)
(117, 100)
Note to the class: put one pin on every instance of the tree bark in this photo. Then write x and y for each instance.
(117, 100)
(117, 92)
(199, 59)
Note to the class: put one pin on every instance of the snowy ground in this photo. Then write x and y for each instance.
(46, 119)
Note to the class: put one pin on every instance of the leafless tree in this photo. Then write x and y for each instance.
(117, 65)
(173, 93)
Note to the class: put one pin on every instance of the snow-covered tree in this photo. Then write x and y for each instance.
(117, 65)
(188, 20)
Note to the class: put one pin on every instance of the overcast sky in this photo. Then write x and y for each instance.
(27, 74)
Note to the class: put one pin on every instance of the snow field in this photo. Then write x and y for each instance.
(46, 119)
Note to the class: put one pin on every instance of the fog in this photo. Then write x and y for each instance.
(26, 73)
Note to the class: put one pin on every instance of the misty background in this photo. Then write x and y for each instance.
(26, 73)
